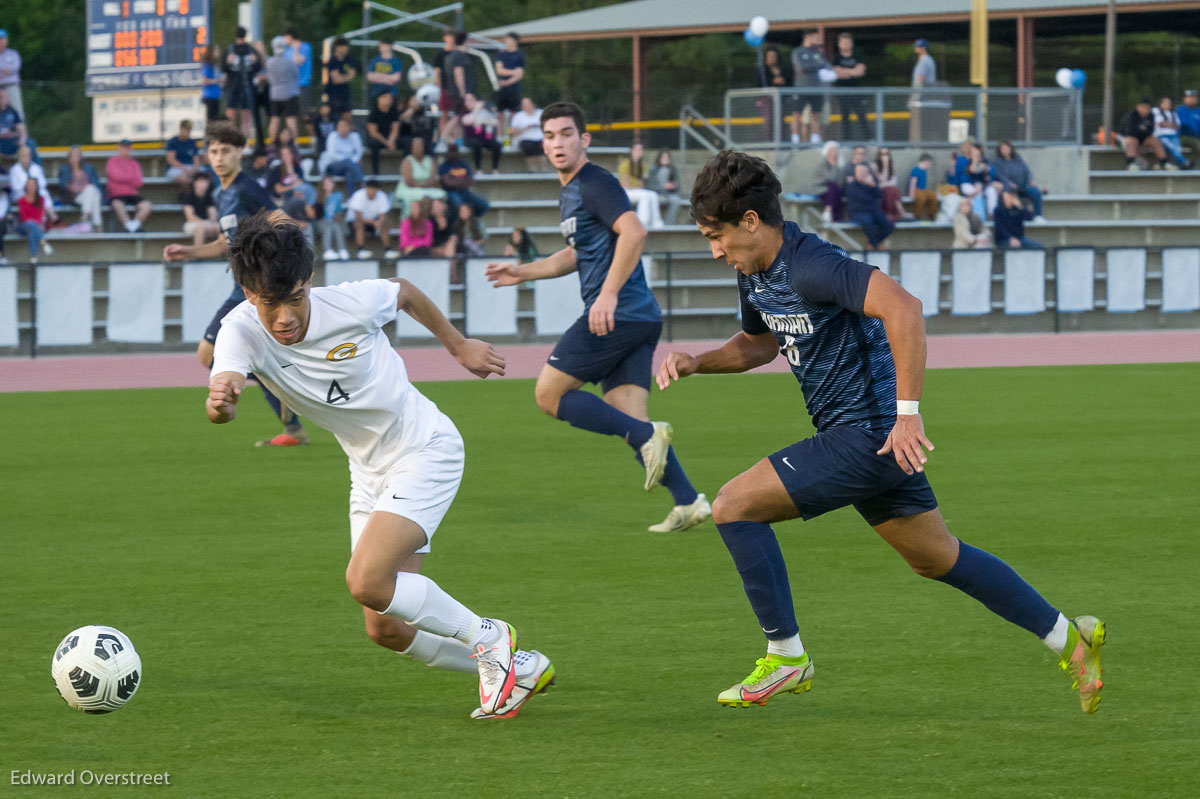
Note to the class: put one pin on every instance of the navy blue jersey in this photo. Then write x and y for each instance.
(811, 298)
(588, 207)
(243, 198)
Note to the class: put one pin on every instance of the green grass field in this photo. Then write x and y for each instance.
(225, 564)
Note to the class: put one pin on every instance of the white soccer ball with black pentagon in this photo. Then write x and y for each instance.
(96, 669)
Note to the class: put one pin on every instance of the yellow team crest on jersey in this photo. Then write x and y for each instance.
(342, 352)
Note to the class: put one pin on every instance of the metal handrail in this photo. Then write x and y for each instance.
(687, 117)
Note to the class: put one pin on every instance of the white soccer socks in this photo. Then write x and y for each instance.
(420, 602)
(438, 652)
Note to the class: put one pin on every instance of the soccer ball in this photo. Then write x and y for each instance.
(96, 669)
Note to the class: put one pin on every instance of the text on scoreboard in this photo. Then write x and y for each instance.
(146, 44)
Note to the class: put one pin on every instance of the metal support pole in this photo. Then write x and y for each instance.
(1110, 58)
(981, 116)
(670, 303)
(878, 118)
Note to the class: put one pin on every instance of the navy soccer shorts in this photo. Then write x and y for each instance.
(838, 467)
(232, 301)
(623, 357)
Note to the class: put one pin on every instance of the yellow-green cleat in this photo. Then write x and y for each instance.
(772, 675)
(1081, 658)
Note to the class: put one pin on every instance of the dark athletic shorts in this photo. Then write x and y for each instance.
(286, 108)
(816, 103)
(508, 98)
(838, 467)
(623, 357)
(235, 299)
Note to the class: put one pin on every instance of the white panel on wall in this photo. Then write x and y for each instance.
(971, 290)
(206, 285)
(1076, 280)
(921, 275)
(350, 271)
(1181, 279)
(135, 302)
(64, 305)
(556, 304)
(1024, 281)
(490, 311)
(432, 277)
(9, 335)
(1126, 280)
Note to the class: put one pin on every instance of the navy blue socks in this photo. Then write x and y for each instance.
(273, 401)
(587, 411)
(993, 582)
(757, 557)
(674, 478)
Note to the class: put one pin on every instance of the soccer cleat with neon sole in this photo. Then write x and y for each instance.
(772, 675)
(684, 517)
(654, 453)
(497, 670)
(1081, 659)
(535, 673)
(285, 440)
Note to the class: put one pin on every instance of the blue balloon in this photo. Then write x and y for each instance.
(1078, 78)
(752, 38)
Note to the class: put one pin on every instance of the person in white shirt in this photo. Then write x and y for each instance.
(342, 156)
(369, 207)
(324, 352)
(526, 127)
(1166, 130)
(22, 171)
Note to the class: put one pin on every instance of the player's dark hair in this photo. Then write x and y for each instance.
(560, 110)
(225, 133)
(240, 33)
(732, 183)
(460, 38)
(270, 255)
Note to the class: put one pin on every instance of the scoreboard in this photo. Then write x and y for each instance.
(146, 44)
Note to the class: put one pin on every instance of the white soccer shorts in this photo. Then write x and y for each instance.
(420, 486)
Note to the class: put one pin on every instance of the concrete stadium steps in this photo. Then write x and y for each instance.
(1097, 207)
(1052, 233)
(1147, 181)
(1111, 158)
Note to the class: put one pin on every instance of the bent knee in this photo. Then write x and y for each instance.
(547, 401)
(368, 591)
(729, 506)
(388, 636)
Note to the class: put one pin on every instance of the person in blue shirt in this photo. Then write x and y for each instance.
(385, 71)
(1010, 218)
(237, 196)
(510, 70)
(855, 340)
(212, 82)
(613, 342)
(1189, 121)
(301, 53)
(181, 152)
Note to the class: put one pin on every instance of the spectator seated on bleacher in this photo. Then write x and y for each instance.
(958, 174)
(969, 230)
(1011, 171)
(416, 232)
(331, 207)
(925, 199)
(445, 243)
(830, 182)
(343, 154)
(1010, 219)
(1137, 132)
(885, 174)
(663, 180)
(526, 133)
(13, 133)
(864, 204)
(125, 181)
(24, 169)
(200, 210)
(285, 180)
(417, 178)
(469, 233)
(1166, 130)
(257, 165)
(383, 128)
(481, 131)
(632, 174)
(32, 209)
(181, 155)
(457, 177)
(520, 246)
(1189, 121)
(78, 184)
(982, 177)
(416, 124)
(370, 206)
(323, 125)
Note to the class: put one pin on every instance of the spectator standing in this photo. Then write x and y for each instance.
(925, 200)
(631, 172)
(301, 53)
(1012, 172)
(181, 154)
(481, 131)
(526, 131)
(864, 205)
(24, 169)
(283, 77)
(125, 181)
(383, 127)
(807, 62)
(1010, 218)
(200, 210)
(510, 69)
(213, 78)
(969, 230)
(370, 206)
(772, 74)
(1138, 130)
(331, 221)
(924, 75)
(444, 78)
(79, 184)
(850, 70)
(885, 174)
(343, 154)
(10, 73)
(323, 124)
(384, 73)
(416, 232)
(339, 73)
(1189, 121)
(457, 177)
(1166, 130)
(417, 178)
(242, 66)
(13, 133)
(461, 83)
(663, 180)
(31, 219)
(830, 182)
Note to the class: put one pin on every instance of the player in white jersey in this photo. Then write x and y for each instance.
(323, 351)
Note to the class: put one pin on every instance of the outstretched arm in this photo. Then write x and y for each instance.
(224, 390)
(477, 357)
(193, 252)
(901, 314)
(741, 353)
(556, 265)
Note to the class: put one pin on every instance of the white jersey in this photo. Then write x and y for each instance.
(344, 376)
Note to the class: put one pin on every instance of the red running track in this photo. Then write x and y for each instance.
(66, 373)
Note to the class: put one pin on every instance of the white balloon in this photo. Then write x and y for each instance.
(760, 26)
(1063, 78)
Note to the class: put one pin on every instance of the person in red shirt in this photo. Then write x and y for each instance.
(124, 182)
(31, 219)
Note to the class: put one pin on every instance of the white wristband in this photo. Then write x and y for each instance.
(906, 407)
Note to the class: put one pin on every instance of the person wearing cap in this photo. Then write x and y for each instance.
(369, 207)
(10, 73)
(283, 77)
(125, 180)
(1189, 121)
(924, 75)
